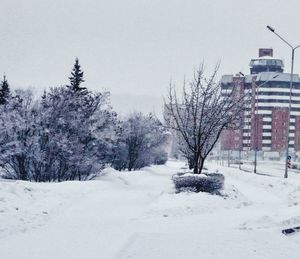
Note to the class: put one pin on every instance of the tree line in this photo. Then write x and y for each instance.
(71, 133)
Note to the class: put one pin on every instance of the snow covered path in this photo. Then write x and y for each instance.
(138, 215)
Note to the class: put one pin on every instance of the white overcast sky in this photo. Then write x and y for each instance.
(137, 46)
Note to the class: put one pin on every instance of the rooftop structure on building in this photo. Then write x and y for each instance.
(265, 63)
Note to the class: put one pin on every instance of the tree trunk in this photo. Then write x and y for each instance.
(196, 168)
(196, 163)
(22, 169)
(130, 165)
(201, 164)
(191, 162)
(130, 159)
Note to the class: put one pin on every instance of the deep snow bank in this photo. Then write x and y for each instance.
(138, 215)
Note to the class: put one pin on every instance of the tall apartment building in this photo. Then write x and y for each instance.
(269, 89)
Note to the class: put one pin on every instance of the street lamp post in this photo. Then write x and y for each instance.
(256, 125)
(290, 99)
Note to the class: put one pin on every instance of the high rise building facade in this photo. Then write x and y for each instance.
(265, 123)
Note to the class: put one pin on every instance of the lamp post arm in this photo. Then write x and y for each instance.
(283, 39)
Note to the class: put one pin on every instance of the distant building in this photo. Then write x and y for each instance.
(269, 90)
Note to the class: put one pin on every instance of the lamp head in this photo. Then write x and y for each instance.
(270, 28)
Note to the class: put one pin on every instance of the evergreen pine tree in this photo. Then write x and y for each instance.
(44, 99)
(4, 91)
(44, 95)
(76, 78)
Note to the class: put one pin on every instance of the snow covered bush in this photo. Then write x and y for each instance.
(159, 156)
(141, 142)
(67, 135)
(210, 183)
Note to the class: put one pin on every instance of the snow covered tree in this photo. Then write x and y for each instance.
(76, 78)
(199, 117)
(140, 142)
(77, 130)
(4, 91)
(17, 129)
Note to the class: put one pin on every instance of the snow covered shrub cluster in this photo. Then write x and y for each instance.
(210, 183)
(71, 133)
(63, 136)
(140, 142)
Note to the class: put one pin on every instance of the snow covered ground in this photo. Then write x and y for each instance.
(138, 215)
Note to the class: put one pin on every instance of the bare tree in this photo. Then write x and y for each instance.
(200, 115)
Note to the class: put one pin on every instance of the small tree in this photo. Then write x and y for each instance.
(199, 117)
(76, 78)
(4, 91)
